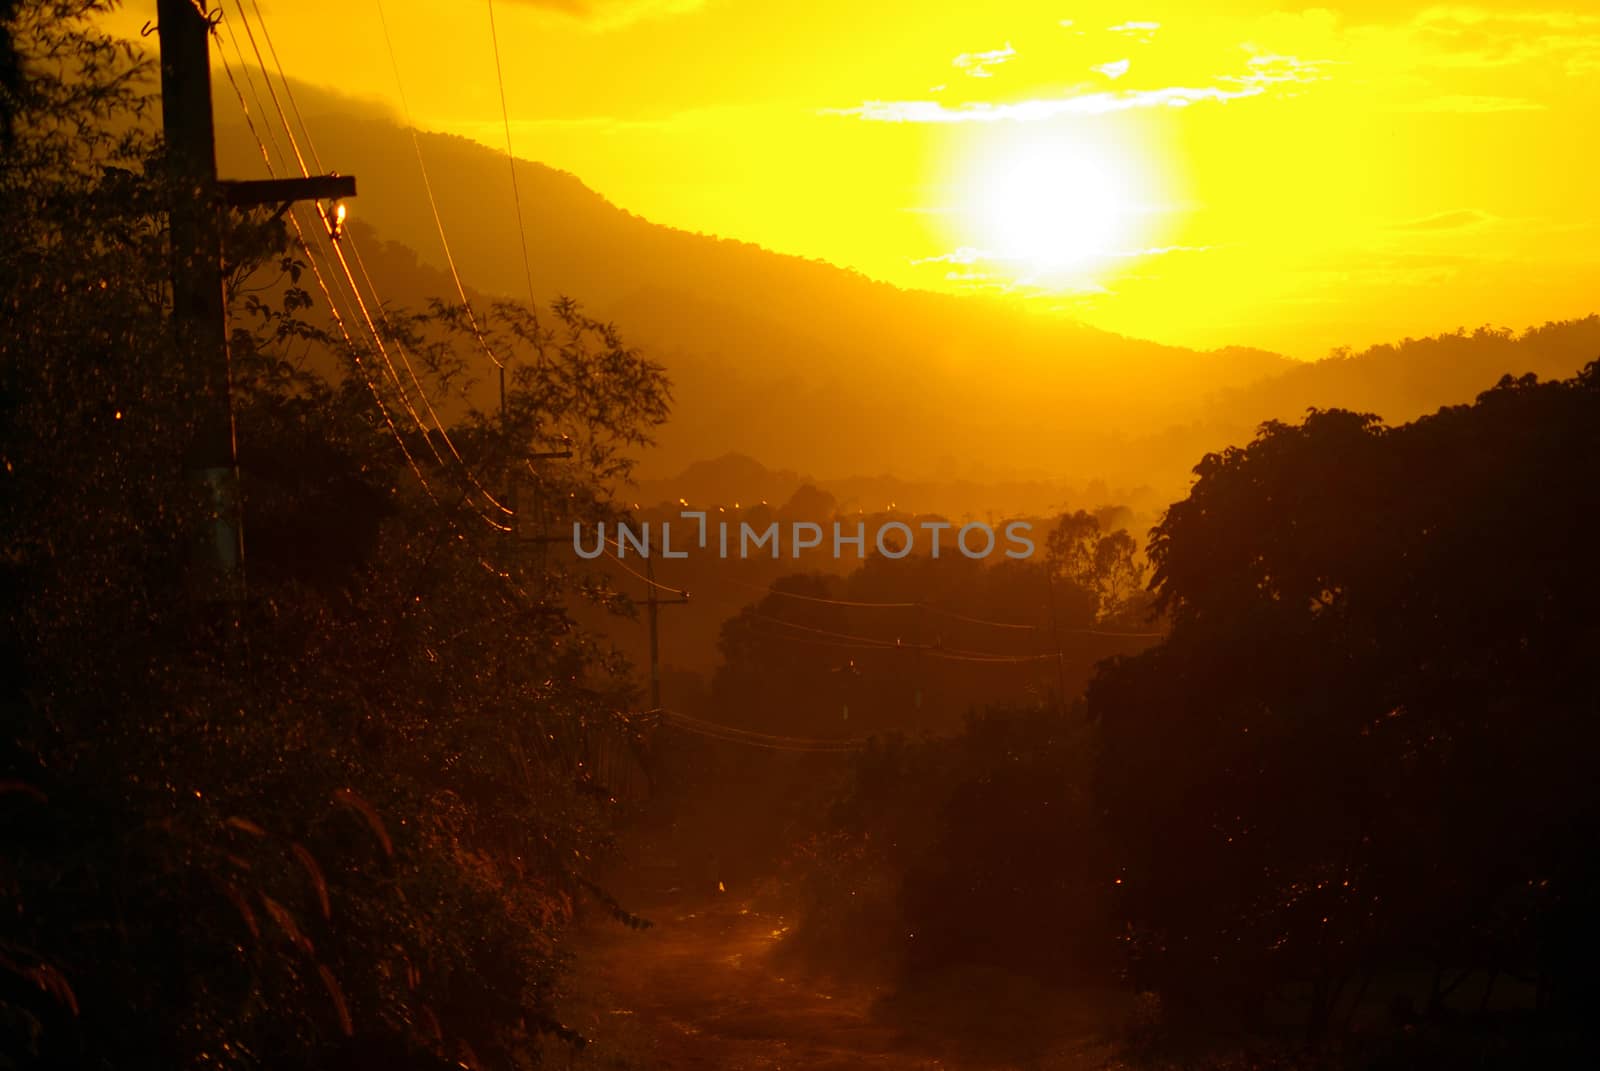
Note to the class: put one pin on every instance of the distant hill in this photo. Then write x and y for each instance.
(798, 362)
(736, 479)
(1403, 380)
(814, 369)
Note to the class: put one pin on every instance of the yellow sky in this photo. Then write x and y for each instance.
(1240, 171)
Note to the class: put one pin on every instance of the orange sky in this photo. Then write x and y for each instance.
(1237, 172)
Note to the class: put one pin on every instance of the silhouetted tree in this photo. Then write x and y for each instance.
(353, 837)
(1364, 746)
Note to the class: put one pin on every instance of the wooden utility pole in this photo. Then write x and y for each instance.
(199, 318)
(655, 638)
(199, 306)
(1055, 637)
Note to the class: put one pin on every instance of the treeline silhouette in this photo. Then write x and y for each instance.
(342, 820)
(1349, 797)
(893, 647)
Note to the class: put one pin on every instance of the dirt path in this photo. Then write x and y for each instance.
(702, 988)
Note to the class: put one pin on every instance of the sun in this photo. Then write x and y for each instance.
(1054, 204)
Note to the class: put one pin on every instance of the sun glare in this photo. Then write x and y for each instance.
(1054, 204)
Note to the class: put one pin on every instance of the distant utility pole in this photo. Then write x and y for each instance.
(655, 640)
(1055, 637)
(199, 308)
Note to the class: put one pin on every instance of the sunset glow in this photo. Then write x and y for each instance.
(1050, 204)
(1269, 174)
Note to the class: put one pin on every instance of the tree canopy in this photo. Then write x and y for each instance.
(343, 821)
(1364, 745)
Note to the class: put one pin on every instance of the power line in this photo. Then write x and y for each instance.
(511, 160)
(827, 638)
(975, 620)
(262, 64)
(332, 307)
(244, 70)
(288, 89)
(934, 609)
(764, 741)
(875, 643)
(327, 293)
(427, 185)
(776, 738)
(625, 567)
(852, 640)
(929, 607)
(829, 602)
(400, 347)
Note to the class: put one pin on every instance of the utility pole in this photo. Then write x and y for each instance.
(655, 639)
(1055, 637)
(199, 306)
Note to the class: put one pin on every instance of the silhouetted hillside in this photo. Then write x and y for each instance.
(1404, 380)
(812, 368)
(737, 479)
(794, 361)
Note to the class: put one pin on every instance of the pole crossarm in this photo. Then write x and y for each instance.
(249, 193)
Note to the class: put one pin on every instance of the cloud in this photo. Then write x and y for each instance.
(965, 255)
(1449, 18)
(977, 64)
(1165, 250)
(929, 111)
(1270, 68)
(1143, 32)
(1482, 104)
(613, 14)
(1472, 38)
(1445, 221)
(969, 256)
(1384, 269)
(1264, 70)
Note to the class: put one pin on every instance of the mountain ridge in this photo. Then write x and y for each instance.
(812, 367)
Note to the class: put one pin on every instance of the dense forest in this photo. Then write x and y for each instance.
(1294, 771)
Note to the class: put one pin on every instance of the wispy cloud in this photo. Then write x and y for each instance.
(978, 64)
(965, 255)
(1263, 70)
(930, 111)
(970, 256)
(1273, 67)
(614, 14)
(1165, 250)
(1474, 38)
(1142, 32)
(1444, 221)
(1480, 104)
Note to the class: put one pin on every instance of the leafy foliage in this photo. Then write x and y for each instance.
(1363, 747)
(341, 823)
(977, 849)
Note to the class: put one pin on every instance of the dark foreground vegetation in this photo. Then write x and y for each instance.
(1348, 805)
(340, 821)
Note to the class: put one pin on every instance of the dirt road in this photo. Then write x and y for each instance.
(704, 989)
